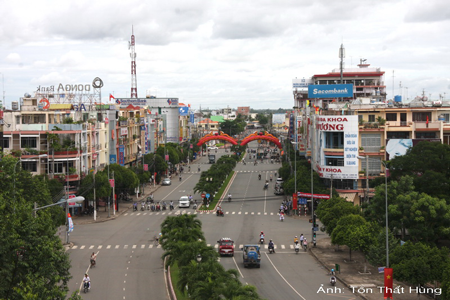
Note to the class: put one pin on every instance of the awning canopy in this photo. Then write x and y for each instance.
(350, 197)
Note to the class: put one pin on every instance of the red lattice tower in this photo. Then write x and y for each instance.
(133, 66)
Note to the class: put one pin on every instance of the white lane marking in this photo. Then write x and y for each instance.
(282, 247)
(91, 247)
(216, 246)
(117, 246)
(265, 213)
(246, 213)
(125, 246)
(142, 246)
(150, 246)
(268, 258)
(74, 247)
(99, 247)
(239, 213)
(253, 213)
(134, 247)
(237, 267)
(109, 246)
(233, 212)
(82, 247)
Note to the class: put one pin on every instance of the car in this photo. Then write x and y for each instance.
(184, 201)
(226, 246)
(166, 181)
(212, 148)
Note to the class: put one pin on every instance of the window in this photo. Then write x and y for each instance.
(17, 119)
(28, 142)
(56, 167)
(371, 118)
(398, 135)
(360, 118)
(371, 142)
(30, 166)
(446, 118)
(334, 140)
(374, 165)
(425, 135)
(391, 117)
(421, 116)
(335, 161)
(5, 143)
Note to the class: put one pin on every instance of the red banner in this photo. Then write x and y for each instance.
(145, 167)
(111, 182)
(294, 201)
(316, 196)
(388, 282)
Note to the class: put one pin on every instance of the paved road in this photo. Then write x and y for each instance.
(130, 266)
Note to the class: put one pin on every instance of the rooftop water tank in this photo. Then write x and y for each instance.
(398, 98)
(15, 105)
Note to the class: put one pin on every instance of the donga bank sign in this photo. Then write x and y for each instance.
(330, 91)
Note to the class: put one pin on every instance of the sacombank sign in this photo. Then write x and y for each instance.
(330, 91)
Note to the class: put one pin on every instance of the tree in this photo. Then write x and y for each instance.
(332, 210)
(376, 253)
(354, 232)
(418, 263)
(428, 163)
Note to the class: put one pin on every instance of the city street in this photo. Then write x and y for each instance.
(129, 264)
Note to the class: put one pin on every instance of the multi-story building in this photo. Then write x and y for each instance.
(243, 110)
(348, 140)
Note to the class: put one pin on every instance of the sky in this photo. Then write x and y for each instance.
(217, 54)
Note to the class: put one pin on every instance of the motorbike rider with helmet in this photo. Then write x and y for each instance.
(271, 246)
(87, 279)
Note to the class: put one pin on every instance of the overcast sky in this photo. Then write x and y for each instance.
(221, 53)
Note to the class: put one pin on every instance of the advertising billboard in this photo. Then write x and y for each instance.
(278, 118)
(399, 147)
(330, 91)
(343, 128)
(301, 83)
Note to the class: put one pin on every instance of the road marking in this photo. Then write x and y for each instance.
(233, 212)
(246, 213)
(125, 214)
(74, 247)
(239, 213)
(150, 246)
(282, 247)
(265, 214)
(91, 247)
(109, 246)
(259, 213)
(82, 247)
(268, 258)
(237, 267)
(138, 214)
(125, 246)
(226, 213)
(209, 245)
(142, 246)
(134, 247)
(117, 246)
(216, 246)
(241, 246)
(253, 213)
(99, 247)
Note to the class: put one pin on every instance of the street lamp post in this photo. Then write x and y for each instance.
(73, 200)
(386, 204)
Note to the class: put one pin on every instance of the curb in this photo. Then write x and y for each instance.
(342, 280)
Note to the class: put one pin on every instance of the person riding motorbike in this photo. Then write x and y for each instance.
(229, 197)
(271, 178)
(189, 168)
(305, 244)
(135, 206)
(301, 239)
(93, 259)
(272, 246)
(333, 280)
(180, 177)
(281, 216)
(219, 211)
(199, 168)
(296, 240)
(259, 176)
(88, 280)
(332, 272)
(261, 235)
(171, 205)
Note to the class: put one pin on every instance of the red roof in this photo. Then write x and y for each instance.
(354, 74)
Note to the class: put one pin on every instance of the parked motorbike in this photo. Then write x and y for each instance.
(164, 207)
(281, 218)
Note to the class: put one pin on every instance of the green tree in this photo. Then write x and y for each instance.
(418, 263)
(430, 160)
(352, 231)
(331, 211)
(376, 253)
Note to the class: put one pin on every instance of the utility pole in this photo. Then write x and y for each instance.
(95, 202)
(114, 194)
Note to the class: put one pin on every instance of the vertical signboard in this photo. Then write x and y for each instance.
(291, 126)
(122, 155)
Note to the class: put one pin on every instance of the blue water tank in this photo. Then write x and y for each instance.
(441, 118)
(398, 98)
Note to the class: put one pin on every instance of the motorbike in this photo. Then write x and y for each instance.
(195, 206)
(142, 207)
(259, 177)
(229, 199)
(158, 207)
(270, 179)
(199, 169)
(153, 207)
(171, 206)
(86, 287)
(282, 219)
(164, 207)
(244, 163)
(93, 263)
(314, 242)
(271, 250)
(266, 186)
(261, 240)
(148, 206)
(255, 163)
(220, 213)
(333, 280)
(180, 178)
(297, 248)
(135, 208)
(305, 247)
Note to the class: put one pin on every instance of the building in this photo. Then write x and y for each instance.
(349, 139)
(243, 110)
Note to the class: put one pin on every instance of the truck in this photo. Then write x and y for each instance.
(212, 158)
(226, 246)
(251, 256)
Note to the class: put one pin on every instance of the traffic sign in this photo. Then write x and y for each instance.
(208, 195)
(203, 195)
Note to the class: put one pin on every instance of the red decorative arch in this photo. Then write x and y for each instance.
(261, 136)
(216, 136)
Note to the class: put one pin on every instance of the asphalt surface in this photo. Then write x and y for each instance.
(130, 265)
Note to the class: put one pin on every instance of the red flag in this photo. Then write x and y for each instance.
(294, 201)
(427, 119)
(388, 282)
(111, 97)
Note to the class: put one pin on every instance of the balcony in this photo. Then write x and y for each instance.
(427, 126)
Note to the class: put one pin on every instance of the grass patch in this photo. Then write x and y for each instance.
(174, 275)
(219, 193)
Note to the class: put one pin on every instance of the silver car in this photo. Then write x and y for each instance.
(166, 181)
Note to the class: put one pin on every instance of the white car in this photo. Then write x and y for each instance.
(213, 148)
(184, 202)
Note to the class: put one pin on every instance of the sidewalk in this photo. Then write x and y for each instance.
(102, 215)
(367, 286)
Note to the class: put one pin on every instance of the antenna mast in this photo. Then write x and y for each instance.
(133, 66)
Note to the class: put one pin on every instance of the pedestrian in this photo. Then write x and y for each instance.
(301, 239)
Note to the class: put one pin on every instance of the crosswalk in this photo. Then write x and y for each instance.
(154, 246)
(194, 212)
(236, 171)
